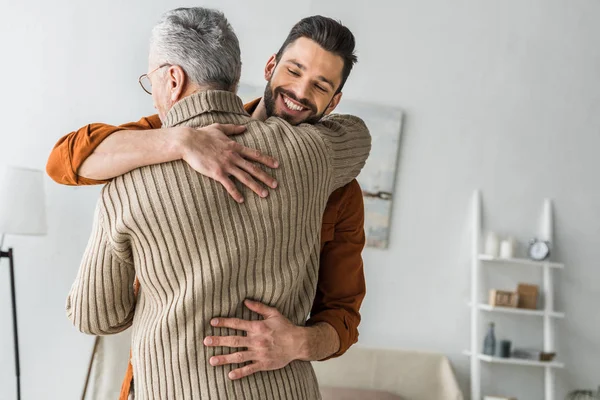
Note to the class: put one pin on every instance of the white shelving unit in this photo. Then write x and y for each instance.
(548, 314)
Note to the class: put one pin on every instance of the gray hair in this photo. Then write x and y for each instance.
(202, 42)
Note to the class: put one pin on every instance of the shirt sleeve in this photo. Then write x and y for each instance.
(102, 300)
(73, 149)
(341, 285)
(349, 140)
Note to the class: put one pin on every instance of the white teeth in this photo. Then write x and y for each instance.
(291, 105)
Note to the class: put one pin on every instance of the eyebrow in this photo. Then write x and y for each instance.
(320, 77)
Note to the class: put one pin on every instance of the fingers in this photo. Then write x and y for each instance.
(230, 187)
(227, 341)
(221, 158)
(247, 180)
(255, 155)
(244, 371)
(235, 358)
(257, 172)
(233, 323)
(261, 309)
(229, 129)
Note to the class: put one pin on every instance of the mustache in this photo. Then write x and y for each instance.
(305, 102)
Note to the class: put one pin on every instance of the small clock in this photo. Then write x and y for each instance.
(539, 250)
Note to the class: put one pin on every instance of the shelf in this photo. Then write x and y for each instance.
(520, 261)
(516, 361)
(522, 311)
(508, 266)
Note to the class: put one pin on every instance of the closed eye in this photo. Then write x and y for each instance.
(321, 88)
(293, 72)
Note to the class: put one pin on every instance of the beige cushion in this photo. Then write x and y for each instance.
(334, 393)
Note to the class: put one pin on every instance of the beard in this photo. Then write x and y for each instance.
(270, 96)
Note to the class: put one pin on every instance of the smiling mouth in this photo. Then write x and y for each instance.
(292, 105)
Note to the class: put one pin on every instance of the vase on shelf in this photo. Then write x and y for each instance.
(489, 343)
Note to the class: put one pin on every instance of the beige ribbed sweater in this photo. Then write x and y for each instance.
(198, 254)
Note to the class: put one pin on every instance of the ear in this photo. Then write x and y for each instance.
(270, 67)
(177, 82)
(333, 103)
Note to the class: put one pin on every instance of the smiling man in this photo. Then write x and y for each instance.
(305, 81)
(298, 103)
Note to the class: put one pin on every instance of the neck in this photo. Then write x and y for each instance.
(193, 89)
(188, 90)
(260, 112)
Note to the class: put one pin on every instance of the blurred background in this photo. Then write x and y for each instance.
(502, 96)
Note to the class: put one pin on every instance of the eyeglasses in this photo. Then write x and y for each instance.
(145, 81)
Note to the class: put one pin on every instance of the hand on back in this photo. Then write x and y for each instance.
(211, 152)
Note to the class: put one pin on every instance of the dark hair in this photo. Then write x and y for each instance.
(328, 33)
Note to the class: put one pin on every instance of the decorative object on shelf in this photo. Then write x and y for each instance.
(503, 298)
(532, 354)
(547, 356)
(539, 250)
(507, 248)
(504, 351)
(489, 343)
(492, 244)
(584, 395)
(528, 296)
(22, 212)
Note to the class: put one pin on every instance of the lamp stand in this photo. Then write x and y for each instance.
(9, 254)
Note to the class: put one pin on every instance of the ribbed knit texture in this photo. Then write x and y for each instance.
(198, 254)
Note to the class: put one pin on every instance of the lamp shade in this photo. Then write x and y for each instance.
(22, 202)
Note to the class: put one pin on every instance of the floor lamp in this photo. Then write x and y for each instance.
(22, 212)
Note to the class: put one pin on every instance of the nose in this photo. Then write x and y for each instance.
(302, 89)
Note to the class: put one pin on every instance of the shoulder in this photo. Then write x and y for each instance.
(273, 124)
(348, 197)
(336, 122)
(351, 195)
(146, 176)
(153, 121)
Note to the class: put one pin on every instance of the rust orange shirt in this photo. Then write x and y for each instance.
(341, 285)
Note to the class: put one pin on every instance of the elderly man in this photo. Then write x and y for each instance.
(97, 153)
(197, 253)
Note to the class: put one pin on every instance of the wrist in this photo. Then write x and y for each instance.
(318, 342)
(302, 340)
(178, 142)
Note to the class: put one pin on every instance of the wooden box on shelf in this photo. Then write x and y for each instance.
(532, 354)
(528, 296)
(503, 298)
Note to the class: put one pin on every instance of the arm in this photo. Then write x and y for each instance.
(97, 153)
(101, 300)
(71, 151)
(271, 343)
(126, 150)
(349, 142)
(341, 285)
(319, 342)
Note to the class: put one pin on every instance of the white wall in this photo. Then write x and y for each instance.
(499, 95)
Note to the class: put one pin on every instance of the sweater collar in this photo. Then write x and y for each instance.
(203, 102)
